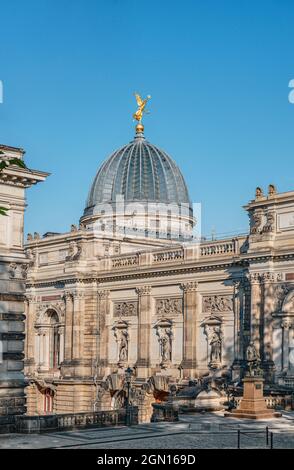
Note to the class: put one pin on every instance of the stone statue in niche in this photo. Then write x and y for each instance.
(216, 345)
(214, 335)
(165, 342)
(123, 346)
(122, 338)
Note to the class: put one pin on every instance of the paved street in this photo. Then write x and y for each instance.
(193, 431)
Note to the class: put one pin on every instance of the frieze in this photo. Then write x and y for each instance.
(169, 307)
(217, 303)
(125, 309)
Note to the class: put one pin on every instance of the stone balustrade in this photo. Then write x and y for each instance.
(218, 248)
(125, 261)
(57, 422)
(168, 256)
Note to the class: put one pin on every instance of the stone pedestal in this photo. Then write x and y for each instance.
(253, 404)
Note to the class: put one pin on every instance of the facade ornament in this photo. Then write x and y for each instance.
(29, 237)
(165, 337)
(258, 193)
(254, 278)
(144, 290)
(217, 303)
(121, 335)
(18, 270)
(272, 190)
(42, 308)
(212, 329)
(167, 307)
(103, 294)
(256, 222)
(286, 324)
(189, 286)
(74, 251)
(73, 228)
(37, 236)
(125, 309)
(31, 256)
(280, 293)
(270, 225)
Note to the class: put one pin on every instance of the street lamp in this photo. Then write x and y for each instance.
(128, 379)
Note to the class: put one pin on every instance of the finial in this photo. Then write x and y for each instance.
(138, 115)
(139, 128)
(272, 190)
(258, 192)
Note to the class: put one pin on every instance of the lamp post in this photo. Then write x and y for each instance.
(128, 378)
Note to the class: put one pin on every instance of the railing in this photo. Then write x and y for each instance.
(217, 248)
(272, 402)
(171, 255)
(125, 261)
(56, 422)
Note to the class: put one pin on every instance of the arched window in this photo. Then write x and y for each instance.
(48, 400)
(49, 341)
(54, 350)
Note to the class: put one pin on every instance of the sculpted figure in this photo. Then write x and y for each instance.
(123, 346)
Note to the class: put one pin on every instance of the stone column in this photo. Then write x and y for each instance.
(237, 321)
(286, 325)
(268, 304)
(78, 330)
(102, 330)
(189, 362)
(68, 336)
(30, 355)
(144, 329)
(256, 300)
(61, 344)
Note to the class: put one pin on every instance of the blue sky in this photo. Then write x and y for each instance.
(218, 72)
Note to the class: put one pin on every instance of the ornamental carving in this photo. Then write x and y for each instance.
(41, 309)
(271, 277)
(270, 225)
(125, 309)
(189, 286)
(121, 334)
(32, 257)
(212, 329)
(217, 303)
(74, 251)
(165, 336)
(256, 222)
(144, 290)
(103, 294)
(169, 307)
(18, 270)
(281, 291)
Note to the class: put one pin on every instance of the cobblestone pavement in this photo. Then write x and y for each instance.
(193, 431)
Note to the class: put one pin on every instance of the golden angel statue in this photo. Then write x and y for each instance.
(141, 107)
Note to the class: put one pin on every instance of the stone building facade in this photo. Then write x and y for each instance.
(13, 269)
(172, 308)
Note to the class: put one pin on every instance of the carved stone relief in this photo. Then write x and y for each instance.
(169, 307)
(125, 309)
(217, 303)
(74, 251)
